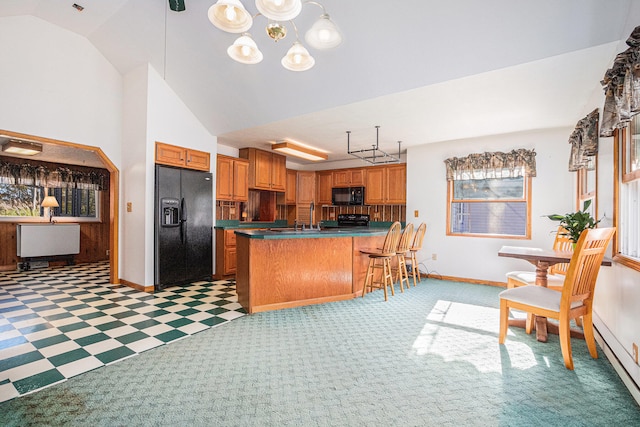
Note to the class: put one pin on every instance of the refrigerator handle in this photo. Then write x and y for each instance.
(183, 218)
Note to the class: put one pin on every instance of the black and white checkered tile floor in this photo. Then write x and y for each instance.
(60, 322)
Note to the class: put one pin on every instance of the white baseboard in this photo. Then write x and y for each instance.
(600, 332)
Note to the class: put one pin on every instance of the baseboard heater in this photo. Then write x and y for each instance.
(47, 240)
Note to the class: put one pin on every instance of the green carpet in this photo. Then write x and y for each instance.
(427, 357)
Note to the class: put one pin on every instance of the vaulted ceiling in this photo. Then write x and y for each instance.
(424, 70)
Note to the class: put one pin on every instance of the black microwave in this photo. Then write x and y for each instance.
(347, 196)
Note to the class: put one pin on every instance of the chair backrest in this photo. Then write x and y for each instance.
(419, 237)
(584, 267)
(391, 240)
(405, 238)
(562, 243)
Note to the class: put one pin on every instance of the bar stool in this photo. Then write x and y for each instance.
(413, 250)
(380, 260)
(401, 252)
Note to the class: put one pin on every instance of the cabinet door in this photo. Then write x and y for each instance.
(324, 182)
(341, 178)
(240, 181)
(230, 261)
(306, 188)
(170, 155)
(224, 178)
(262, 170)
(198, 160)
(356, 177)
(291, 189)
(396, 185)
(278, 172)
(374, 190)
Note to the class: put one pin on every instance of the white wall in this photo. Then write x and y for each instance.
(477, 258)
(55, 84)
(170, 121)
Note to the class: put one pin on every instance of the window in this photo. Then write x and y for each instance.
(492, 207)
(587, 184)
(24, 201)
(627, 189)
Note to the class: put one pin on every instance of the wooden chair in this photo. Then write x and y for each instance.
(380, 260)
(575, 300)
(557, 272)
(401, 251)
(413, 252)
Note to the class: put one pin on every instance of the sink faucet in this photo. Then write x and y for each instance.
(311, 207)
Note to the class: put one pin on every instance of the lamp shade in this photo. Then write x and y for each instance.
(230, 16)
(279, 10)
(298, 58)
(323, 34)
(245, 50)
(49, 202)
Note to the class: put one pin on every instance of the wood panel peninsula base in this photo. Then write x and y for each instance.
(284, 269)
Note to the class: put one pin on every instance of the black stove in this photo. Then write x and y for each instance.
(353, 220)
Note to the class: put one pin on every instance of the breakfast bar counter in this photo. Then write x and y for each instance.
(283, 268)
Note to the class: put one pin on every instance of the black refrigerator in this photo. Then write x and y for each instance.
(183, 226)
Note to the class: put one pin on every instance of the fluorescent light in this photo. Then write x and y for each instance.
(22, 147)
(290, 148)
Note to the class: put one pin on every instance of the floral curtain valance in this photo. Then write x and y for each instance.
(52, 176)
(621, 85)
(584, 143)
(515, 163)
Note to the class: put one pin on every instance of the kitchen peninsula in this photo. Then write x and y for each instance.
(290, 268)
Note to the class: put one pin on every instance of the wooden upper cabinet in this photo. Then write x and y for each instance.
(348, 178)
(324, 182)
(396, 184)
(386, 185)
(290, 192)
(267, 171)
(232, 179)
(306, 188)
(174, 155)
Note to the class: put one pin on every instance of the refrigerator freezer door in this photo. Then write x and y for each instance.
(169, 250)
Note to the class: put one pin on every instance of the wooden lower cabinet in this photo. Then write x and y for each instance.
(225, 253)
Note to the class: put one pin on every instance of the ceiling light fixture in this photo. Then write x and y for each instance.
(373, 155)
(288, 147)
(25, 148)
(232, 17)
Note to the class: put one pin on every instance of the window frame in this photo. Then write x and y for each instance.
(526, 199)
(620, 177)
(583, 191)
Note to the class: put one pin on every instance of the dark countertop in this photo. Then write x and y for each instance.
(289, 233)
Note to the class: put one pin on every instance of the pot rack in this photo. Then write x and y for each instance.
(373, 155)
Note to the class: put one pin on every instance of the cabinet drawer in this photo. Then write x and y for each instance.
(230, 238)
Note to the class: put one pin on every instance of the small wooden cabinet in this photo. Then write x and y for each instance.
(306, 188)
(348, 177)
(290, 192)
(174, 155)
(324, 182)
(225, 253)
(386, 185)
(267, 171)
(232, 179)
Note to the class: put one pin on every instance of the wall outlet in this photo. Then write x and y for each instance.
(434, 257)
(107, 252)
(635, 352)
(415, 213)
(129, 207)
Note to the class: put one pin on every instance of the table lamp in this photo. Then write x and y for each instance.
(50, 202)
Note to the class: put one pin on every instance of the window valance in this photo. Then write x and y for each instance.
(515, 163)
(621, 85)
(52, 176)
(584, 143)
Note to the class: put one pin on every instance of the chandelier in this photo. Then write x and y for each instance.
(373, 155)
(232, 17)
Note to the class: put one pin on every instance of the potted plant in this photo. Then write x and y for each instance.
(575, 223)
